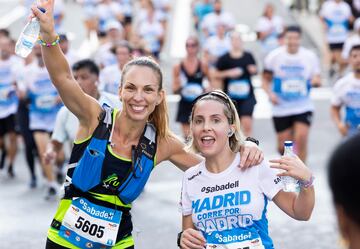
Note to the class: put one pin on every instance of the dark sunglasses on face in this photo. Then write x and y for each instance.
(193, 45)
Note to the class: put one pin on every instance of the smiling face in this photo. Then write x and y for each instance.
(210, 127)
(140, 92)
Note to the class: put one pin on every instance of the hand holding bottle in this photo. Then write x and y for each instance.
(292, 166)
(46, 18)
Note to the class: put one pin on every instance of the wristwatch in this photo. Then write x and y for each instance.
(179, 239)
(251, 139)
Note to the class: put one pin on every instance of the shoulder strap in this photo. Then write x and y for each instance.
(103, 130)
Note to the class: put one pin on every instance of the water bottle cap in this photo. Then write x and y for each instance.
(288, 143)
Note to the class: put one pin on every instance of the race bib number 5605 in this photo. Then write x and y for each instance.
(88, 225)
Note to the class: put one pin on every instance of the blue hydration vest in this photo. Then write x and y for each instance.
(88, 171)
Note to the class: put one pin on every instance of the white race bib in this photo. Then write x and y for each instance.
(191, 90)
(294, 87)
(90, 223)
(45, 101)
(239, 88)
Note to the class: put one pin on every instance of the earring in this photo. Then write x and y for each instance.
(230, 133)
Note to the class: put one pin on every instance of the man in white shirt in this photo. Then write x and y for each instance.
(347, 96)
(86, 73)
(289, 73)
(210, 21)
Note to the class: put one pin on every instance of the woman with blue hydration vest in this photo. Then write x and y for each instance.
(188, 77)
(224, 207)
(114, 151)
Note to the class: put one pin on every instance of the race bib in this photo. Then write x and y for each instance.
(234, 239)
(4, 94)
(45, 102)
(239, 89)
(191, 90)
(294, 88)
(337, 29)
(87, 225)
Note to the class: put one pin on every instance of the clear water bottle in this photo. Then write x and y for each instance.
(28, 38)
(290, 184)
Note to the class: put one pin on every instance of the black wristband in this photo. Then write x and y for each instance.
(251, 139)
(179, 239)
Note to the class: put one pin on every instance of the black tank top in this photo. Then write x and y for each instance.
(197, 77)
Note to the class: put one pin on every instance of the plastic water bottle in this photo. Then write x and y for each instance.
(290, 183)
(28, 38)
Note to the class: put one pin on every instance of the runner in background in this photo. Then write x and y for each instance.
(289, 73)
(110, 76)
(8, 104)
(336, 17)
(352, 40)
(268, 28)
(188, 79)
(200, 8)
(44, 105)
(211, 20)
(346, 95)
(234, 71)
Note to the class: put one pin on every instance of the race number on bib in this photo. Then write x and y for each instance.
(86, 224)
(239, 89)
(337, 29)
(45, 102)
(294, 88)
(4, 94)
(191, 91)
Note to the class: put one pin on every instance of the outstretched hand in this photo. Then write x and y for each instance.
(291, 166)
(43, 10)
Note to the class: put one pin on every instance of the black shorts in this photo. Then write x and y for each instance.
(283, 123)
(245, 107)
(336, 46)
(7, 124)
(184, 111)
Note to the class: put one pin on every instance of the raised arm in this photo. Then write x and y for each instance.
(85, 108)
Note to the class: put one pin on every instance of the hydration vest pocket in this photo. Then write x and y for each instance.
(87, 173)
(135, 182)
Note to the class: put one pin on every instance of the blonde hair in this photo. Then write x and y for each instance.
(159, 117)
(237, 138)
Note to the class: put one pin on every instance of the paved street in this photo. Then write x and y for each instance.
(25, 215)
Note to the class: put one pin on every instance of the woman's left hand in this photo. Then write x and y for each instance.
(292, 166)
(250, 155)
